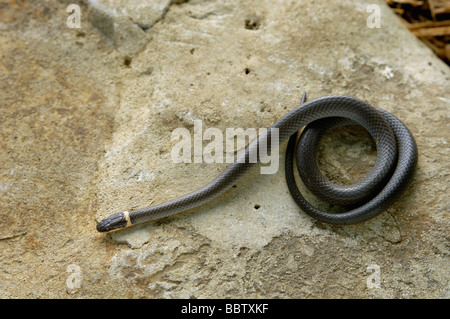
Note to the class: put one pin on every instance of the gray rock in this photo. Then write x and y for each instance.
(87, 119)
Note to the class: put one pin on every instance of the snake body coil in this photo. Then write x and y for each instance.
(393, 170)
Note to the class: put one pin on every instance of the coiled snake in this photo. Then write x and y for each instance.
(391, 174)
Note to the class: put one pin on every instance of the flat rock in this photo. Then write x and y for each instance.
(87, 120)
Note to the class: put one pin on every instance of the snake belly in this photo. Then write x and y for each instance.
(393, 170)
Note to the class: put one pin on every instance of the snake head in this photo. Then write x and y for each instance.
(112, 222)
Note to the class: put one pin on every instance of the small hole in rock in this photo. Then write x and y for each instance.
(252, 23)
(247, 70)
(127, 61)
(144, 27)
(257, 206)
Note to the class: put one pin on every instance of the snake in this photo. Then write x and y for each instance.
(303, 127)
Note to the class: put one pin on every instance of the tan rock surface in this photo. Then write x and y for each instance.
(86, 122)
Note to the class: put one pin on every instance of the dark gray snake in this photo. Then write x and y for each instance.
(391, 174)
